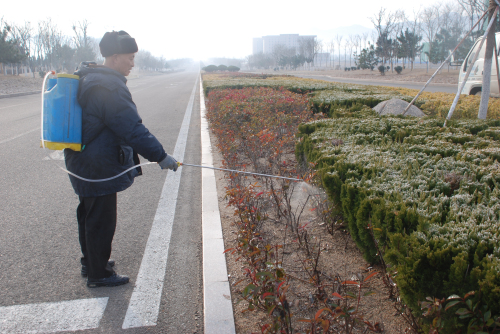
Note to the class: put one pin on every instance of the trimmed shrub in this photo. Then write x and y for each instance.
(222, 68)
(398, 69)
(233, 68)
(210, 68)
(381, 69)
(432, 195)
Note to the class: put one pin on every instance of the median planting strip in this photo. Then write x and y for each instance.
(412, 194)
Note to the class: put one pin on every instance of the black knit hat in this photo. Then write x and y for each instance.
(117, 42)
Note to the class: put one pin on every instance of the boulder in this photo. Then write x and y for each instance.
(396, 107)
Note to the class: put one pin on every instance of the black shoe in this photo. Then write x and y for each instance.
(112, 280)
(111, 264)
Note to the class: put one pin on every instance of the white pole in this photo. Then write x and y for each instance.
(449, 56)
(488, 60)
(455, 101)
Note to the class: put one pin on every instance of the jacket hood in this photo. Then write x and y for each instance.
(97, 75)
(85, 69)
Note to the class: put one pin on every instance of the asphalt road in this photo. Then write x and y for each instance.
(39, 249)
(446, 88)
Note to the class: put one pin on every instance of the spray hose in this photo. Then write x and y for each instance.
(179, 164)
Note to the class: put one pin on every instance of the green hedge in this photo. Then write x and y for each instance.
(431, 193)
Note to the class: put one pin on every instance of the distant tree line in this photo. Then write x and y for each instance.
(181, 63)
(144, 60)
(432, 33)
(397, 38)
(43, 47)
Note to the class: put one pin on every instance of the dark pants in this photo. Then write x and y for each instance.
(96, 226)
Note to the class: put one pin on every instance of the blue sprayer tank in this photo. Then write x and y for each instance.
(62, 115)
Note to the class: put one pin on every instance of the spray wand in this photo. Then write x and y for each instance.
(178, 164)
(239, 171)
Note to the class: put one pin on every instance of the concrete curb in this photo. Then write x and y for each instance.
(19, 94)
(217, 305)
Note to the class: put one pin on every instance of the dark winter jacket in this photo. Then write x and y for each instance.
(112, 134)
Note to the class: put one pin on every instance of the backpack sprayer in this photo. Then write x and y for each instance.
(61, 123)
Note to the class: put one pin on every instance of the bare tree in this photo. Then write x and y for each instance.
(81, 38)
(447, 19)
(338, 39)
(10, 52)
(383, 23)
(347, 45)
(364, 37)
(430, 22)
(357, 44)
(84, 49)
(306, 48)
(37, 49)
(49, 38)
(400, 22)
(331, 49)
(351, 45)
(414, 26)
(23, 35)
(373, 35)
(94, 44)
(474, 9)
(318, 48)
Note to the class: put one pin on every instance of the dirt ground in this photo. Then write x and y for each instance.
(340, 259)
(416, 75)
(11, 84)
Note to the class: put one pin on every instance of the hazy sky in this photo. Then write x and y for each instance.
(201, 29)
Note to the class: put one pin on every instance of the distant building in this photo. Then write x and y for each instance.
(257, 45)
(266, 44)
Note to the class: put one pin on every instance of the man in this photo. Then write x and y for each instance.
(112, 136)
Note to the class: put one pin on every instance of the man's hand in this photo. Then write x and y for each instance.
(169, 162)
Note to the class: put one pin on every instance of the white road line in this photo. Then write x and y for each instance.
(16, 105)
(73, 315)
(135, 91)
(145, 300)
(217, 305)
(20, 135)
